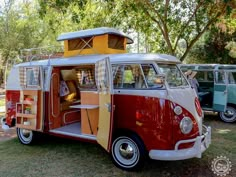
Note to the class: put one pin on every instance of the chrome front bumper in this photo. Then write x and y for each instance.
(201, 143)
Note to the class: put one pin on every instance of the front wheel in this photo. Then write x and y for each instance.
(229, 115)
(128, 152)
(25, 136)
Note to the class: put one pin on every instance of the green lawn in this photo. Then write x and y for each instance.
(61, 157)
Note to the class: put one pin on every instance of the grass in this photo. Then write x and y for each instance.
(61, 157)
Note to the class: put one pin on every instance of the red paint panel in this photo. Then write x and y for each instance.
(150, 118)
(12, 97)
(178, 135)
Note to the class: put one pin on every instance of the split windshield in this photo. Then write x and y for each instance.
(174, 77)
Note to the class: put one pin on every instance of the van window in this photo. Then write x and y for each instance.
(174, 77)
(150, 76)
(210, 76)
(232, 77)
(128, 76)
(220, 77)
(86, 79)
(31, 78)
(200, 76)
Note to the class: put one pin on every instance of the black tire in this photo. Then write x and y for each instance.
(26, 137)
(229, 115)
(128, 152)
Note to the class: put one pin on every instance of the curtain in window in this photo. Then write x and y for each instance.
(102, 76)
(36, 74)
(25, 79)
(22, 77)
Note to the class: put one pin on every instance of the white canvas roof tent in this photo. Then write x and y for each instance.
(93, 32)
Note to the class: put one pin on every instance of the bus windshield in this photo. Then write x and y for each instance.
(174, 77)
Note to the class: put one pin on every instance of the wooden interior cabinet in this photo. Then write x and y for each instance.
(28, 110)
(89, 98)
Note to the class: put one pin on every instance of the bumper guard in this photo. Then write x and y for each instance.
(201, 144)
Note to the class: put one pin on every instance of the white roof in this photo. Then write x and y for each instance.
(93, 32)
(114, 58)
(208, 66)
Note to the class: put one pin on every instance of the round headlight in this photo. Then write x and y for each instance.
(186, 125)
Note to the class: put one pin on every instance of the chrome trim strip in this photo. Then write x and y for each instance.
(84, 136)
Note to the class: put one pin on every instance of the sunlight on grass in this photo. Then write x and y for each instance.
(223, 131)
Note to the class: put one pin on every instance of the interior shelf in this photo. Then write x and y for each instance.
(27, 110)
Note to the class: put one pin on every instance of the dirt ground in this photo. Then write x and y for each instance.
(5, 135)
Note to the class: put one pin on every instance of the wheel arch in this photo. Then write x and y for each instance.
(224, 118)
(231, 104)
(128, 132)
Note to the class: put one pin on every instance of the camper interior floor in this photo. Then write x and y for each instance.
(73, 130)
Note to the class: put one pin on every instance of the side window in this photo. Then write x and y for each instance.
(220, 77)
(210, 76)
(232, 77)
(150, 76)
(85, 77)
(32, 77)
(200, 76)
(129, 76)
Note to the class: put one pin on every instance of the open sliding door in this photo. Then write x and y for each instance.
(220, 92)
(104, 83)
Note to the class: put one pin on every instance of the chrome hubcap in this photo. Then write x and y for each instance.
(26, 133)
(229, 113)
(126, 151)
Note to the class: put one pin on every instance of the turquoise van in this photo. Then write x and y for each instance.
(217, 88)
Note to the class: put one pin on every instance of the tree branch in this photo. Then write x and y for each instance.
(201, 33)
(187, 23)
(161, 24)
(166, 9)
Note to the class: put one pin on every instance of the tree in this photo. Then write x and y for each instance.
(20, 27)
(217, 45)
(180, 20)
(163, 23)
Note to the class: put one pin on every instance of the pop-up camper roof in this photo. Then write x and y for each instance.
(93, 32)
(94, 41)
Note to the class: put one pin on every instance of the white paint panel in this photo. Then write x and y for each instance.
(13, 80)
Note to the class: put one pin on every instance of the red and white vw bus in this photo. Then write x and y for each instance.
(133, 105)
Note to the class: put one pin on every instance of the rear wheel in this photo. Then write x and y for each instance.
(25, 136)
(229, 115)
(128, 152)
